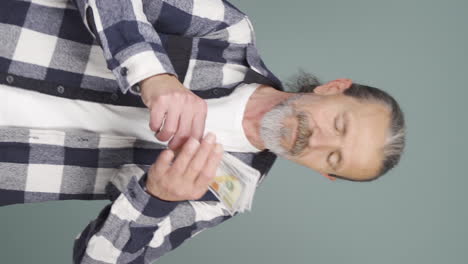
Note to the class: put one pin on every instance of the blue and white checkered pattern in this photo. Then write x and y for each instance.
(98, 48)
(110, 46)
(45, 165)
(41, 165)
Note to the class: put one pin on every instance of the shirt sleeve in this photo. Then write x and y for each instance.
(139, 228)
(130, 32)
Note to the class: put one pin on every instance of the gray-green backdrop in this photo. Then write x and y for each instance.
(416, 50)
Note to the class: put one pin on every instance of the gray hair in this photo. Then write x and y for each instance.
(395, 142)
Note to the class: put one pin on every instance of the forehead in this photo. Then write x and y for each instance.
(362, 147)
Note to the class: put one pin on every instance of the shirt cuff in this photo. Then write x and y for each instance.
(145, 203)
(138, 62)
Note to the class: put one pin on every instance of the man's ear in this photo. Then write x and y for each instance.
(333, 87)
(328, 176)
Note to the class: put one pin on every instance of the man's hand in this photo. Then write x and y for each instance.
(185, 112)
(191, 173)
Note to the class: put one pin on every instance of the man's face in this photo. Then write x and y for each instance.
(331, 133)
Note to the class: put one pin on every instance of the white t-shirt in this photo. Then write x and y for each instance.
(23, 108)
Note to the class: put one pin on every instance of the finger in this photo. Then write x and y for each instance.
(209, 170)
(157, 116)
(198, 125)
(170, 124)
(183, 130)
(199, 160)
(181, 162)
(163, 162)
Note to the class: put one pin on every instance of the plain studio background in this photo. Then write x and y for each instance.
(416, 50)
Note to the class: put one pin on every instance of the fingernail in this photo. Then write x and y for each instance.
(218, 148)
(210, 138)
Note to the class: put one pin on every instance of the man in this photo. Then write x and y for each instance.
(341, 130)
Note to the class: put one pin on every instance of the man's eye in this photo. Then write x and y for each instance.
(336, 124)
(339, 124)
(337, 127)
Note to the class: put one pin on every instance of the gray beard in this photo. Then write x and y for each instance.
(273, 132)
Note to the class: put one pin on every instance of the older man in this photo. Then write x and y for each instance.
(85, 134)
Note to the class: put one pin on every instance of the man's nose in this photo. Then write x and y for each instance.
(323, 139)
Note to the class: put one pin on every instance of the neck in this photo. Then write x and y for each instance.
(260, 102)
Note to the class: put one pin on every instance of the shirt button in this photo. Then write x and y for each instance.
(10, 79)
(124, 71)
(136, 88)
(60, 89)
(114, 97)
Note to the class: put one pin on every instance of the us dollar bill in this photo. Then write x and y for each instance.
(235, 184)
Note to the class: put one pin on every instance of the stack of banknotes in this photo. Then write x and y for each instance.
(235, 184)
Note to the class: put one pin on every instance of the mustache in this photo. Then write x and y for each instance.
(303, 134)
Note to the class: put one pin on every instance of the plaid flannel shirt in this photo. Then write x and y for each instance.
(98, 51)
(46, 165)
